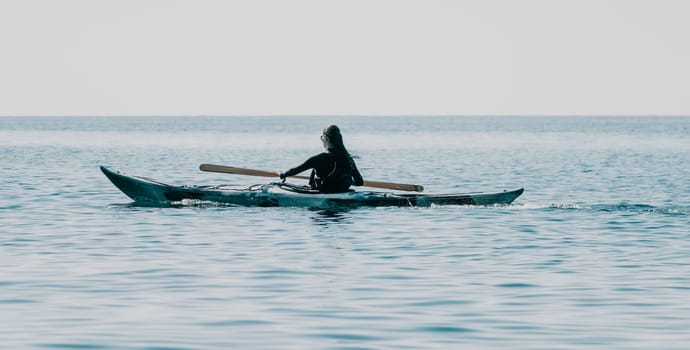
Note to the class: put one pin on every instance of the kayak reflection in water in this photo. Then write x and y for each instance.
(334, 171)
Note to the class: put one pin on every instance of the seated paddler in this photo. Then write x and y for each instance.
(334, 170)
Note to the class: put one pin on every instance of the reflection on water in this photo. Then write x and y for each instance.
(331, 216)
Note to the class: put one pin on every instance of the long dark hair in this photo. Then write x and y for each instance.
(337, 149)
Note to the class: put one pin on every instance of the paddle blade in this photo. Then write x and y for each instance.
(238, 171)
(242, 171)
(394, 186)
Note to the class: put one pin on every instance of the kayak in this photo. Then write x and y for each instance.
(146, 190)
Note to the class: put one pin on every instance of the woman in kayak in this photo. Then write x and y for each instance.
(334, 171)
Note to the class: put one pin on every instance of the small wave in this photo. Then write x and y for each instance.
(641, 208)
(565, 206)
(537, 206)
(446, 329)
(185, 203)
(516, 285)
(621, 207)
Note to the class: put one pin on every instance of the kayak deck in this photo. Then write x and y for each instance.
(146, 190)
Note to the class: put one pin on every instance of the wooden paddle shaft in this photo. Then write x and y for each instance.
(263, 173)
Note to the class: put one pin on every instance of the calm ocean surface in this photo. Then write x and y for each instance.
(595, 254)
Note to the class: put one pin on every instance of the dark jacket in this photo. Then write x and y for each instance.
(334, 171)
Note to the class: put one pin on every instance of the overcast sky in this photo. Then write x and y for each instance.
(505, 57)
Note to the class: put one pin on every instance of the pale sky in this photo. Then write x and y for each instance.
(397, 57)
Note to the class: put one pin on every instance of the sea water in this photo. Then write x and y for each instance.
(595, 254)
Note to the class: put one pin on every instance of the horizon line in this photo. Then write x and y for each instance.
(344, 115)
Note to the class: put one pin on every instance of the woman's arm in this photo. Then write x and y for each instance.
(356, 176)
(308, 164)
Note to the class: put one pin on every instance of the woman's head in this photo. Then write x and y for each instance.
(332, 137)
(333, 142)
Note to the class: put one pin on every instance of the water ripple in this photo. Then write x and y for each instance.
(593, 255)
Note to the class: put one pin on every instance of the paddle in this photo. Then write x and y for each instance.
(263, 173)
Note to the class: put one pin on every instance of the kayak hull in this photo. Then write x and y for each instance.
(146, 190)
